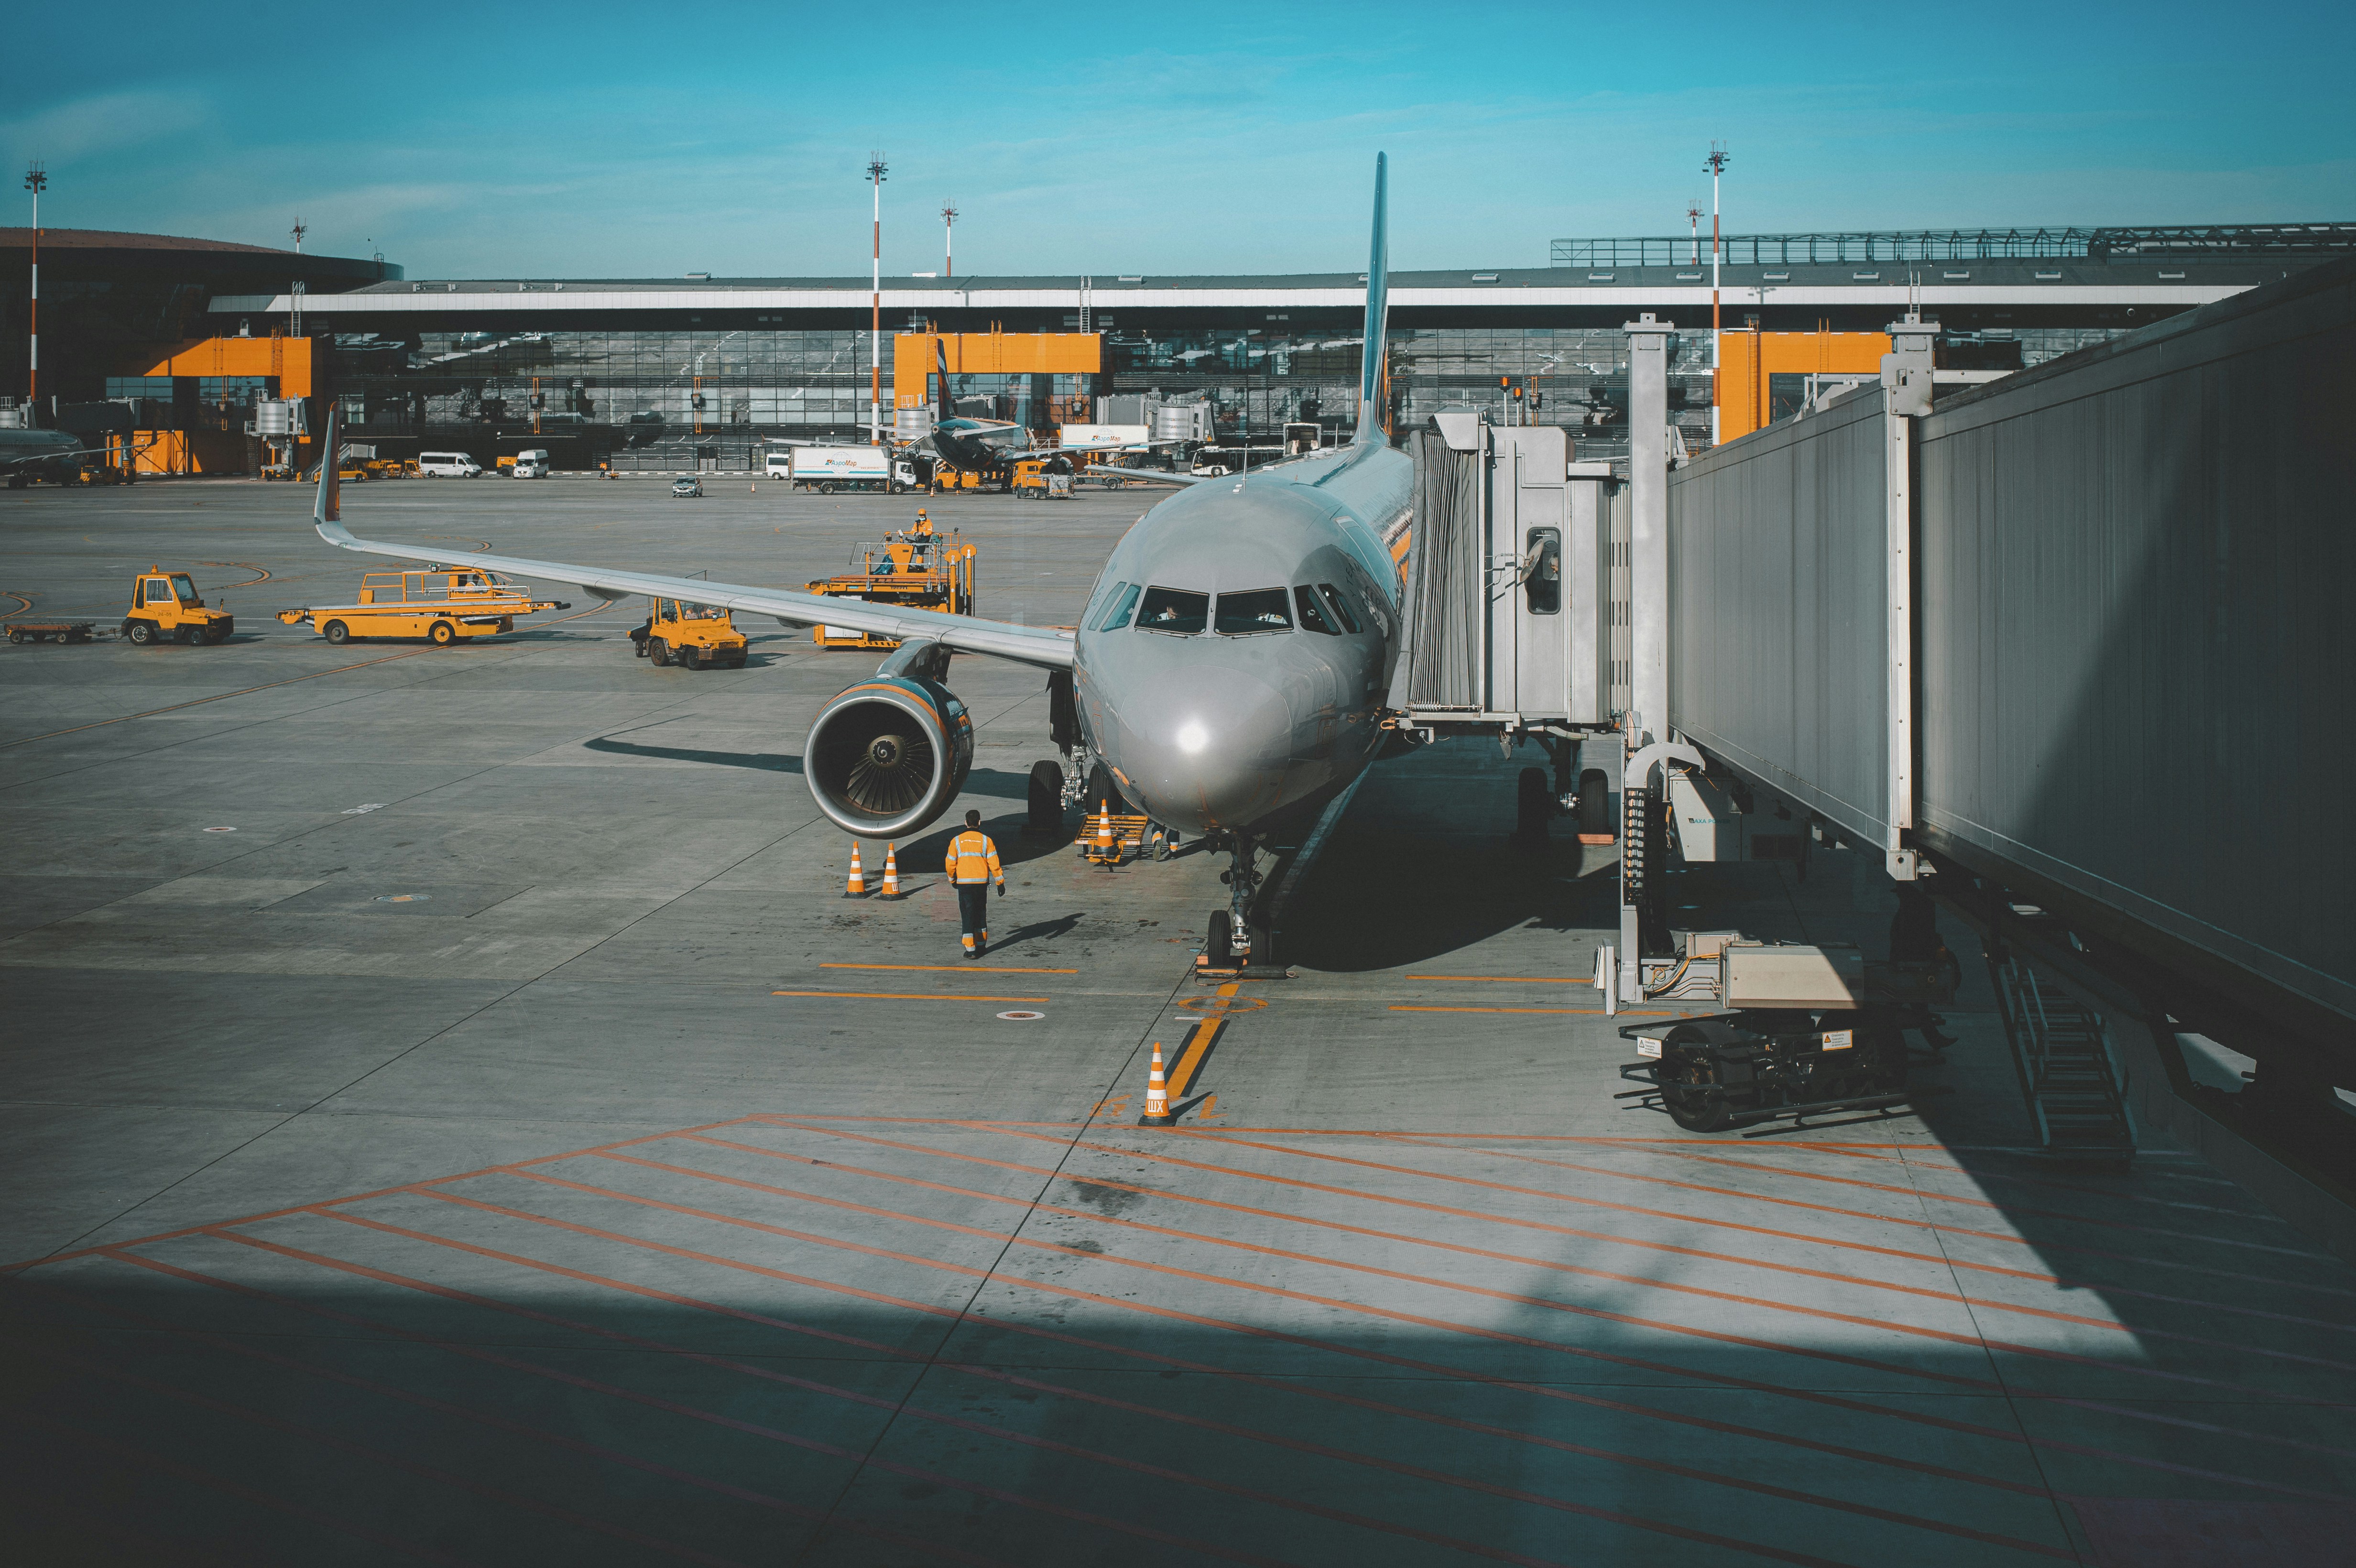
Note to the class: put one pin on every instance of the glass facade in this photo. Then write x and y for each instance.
(663, 398)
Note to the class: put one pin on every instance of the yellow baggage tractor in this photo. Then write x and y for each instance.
(694, 636)
(441, 606)
(922, 570)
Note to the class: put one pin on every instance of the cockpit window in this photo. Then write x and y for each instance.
(1311, 617)
(1124, 600)
(1173, 610)
(1259, 610)
(1335, 602)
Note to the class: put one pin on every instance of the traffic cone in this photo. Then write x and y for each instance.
(857, 887)
(1157, 1095)
(891, 872)
(1106, 849)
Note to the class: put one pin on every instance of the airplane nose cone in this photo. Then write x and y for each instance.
(1207, 748)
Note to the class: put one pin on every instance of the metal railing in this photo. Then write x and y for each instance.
(2161, 243)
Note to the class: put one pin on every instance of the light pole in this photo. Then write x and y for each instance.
(36, 182)
(1715, 166)
(1693, 230)
(876, 169)
(948, 240)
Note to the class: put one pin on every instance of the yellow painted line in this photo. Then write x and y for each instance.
(1590, 1012)
(954, 968)
(1514, 979)
(908, 995)
(1190, 1060)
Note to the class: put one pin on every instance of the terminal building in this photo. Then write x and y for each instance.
(701, 372)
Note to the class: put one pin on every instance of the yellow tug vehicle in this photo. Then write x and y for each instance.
(441, 606)
(692, 636)
(165, 609)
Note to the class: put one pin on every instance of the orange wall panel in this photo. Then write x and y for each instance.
(991, 354)
(288, 359)
(1748, 359)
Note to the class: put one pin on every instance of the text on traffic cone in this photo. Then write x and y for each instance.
(1157, 1091)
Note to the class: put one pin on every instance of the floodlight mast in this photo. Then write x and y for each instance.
(1715, 166)
(36, 182)
(877, 170)
(948, 240)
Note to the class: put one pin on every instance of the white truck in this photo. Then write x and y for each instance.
(827, 469)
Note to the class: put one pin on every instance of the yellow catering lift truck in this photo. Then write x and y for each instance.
(441, 606)
(1042, 479)
(694, 636)
(920, 571)
(165, 608)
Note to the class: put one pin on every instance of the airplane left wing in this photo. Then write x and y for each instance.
(1025, 644)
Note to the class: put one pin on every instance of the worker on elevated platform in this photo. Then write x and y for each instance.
(974, 866)
(923, 528)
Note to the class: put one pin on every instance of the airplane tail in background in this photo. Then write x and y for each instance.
(330, 506)
(944, 402)
(1374, 374)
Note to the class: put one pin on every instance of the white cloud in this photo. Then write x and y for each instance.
(91, 126)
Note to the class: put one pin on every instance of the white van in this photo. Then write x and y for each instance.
(780, 463)
(447, 466)
(532, 466)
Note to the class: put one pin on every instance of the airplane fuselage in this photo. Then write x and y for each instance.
(1223, 721)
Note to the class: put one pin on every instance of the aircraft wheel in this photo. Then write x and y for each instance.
(1104, 792)
(336, 633)
(1531, 806)
(1594, 801)
(140, 632)
(1221, 949)
(442, 634)
(1047, 799)
(659, 650)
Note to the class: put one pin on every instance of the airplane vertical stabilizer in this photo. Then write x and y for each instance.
(1374, 377)
(330, 506)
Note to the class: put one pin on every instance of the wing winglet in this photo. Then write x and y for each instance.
(330, 506)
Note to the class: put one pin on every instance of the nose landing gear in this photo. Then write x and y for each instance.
(1236, 944)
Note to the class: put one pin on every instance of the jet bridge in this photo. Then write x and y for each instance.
(2065, 648)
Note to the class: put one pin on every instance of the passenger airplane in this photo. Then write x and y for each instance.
(993, 446)
(1229, 671)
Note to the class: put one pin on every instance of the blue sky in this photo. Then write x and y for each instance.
(648, 140)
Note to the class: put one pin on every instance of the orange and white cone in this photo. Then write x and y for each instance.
(891, 872)
(857, 887)
(1157, 1095)
(1106, 849)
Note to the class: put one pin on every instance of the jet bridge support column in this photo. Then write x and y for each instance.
(1646, 722)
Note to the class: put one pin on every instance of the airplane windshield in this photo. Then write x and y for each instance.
(1262, 609)
(1174, 611)
(1124, 600)
(1334, 603)
(1312, 618)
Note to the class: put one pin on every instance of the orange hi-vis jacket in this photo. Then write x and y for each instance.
(973, 858)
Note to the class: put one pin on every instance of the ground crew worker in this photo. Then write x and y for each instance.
(923, 530)
(974, 866)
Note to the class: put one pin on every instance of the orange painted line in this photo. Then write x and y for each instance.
(1511, 979)
(1347, 1306)
(2062, 1214)
(954, 968)
(909, 996)
(1934, 1226)
(1590, 1012)
(1277, 1384)
(315, 1205)
(1867, 1363)
(1439, 1369)
(871, 1401)
(2038, 1312)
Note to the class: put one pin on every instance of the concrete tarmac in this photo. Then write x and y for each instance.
(452, 1113)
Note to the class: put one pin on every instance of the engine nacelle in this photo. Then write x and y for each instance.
(888, 755)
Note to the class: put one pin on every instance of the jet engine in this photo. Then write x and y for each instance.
(888, 755)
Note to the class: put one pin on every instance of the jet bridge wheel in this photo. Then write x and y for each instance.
(1690, 1091)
